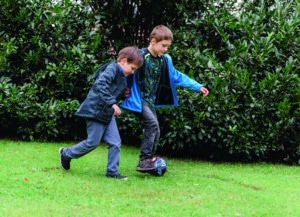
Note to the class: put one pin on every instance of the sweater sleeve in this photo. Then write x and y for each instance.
(104, 82)
(180, 79)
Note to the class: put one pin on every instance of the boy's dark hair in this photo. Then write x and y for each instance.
(160, 33)
(132, 54)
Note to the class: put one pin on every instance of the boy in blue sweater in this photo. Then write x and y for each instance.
(154, 86)
(100, 108)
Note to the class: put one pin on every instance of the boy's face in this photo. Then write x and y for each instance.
(159, 48)
(128, 68)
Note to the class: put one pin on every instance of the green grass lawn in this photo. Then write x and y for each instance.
(32, 184)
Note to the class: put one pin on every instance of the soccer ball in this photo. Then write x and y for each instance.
(160, 166)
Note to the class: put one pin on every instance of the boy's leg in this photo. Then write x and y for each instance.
(95, 132)
(151, 131)
(151, 136)
(113, 139)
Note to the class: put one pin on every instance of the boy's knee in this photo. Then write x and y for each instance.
(91, 144)
(154, 124)
(115, 146)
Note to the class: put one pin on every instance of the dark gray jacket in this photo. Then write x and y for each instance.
(107, 90)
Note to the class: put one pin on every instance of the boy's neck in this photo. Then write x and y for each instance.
(151, 51)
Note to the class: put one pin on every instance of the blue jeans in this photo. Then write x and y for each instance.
(96, 132)
(151, 131)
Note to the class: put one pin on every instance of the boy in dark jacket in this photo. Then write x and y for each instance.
(99, 109)
(153, 86)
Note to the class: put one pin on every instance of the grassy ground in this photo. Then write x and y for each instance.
(32, 184)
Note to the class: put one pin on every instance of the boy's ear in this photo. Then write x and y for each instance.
(153, 41)
(123, 60)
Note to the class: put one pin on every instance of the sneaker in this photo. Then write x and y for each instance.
(145, 166)
(64, 163)
(117, 176)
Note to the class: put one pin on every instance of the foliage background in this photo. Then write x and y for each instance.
(247, 54)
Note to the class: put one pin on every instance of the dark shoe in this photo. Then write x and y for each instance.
(145, 166)
(117, 176)
(64, 163)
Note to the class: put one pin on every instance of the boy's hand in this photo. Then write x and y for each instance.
(117, 110)
(127, 92)
(204, 91)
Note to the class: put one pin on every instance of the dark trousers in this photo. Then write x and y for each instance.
(151, 131)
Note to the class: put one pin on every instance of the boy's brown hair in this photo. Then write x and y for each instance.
(160, 33)
(132, 54)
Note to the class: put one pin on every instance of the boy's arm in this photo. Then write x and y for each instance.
(183, 80)
(103, 84)
(180, 79)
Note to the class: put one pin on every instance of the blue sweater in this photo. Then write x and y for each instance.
(166, 94)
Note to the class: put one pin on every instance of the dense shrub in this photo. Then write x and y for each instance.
(247, 55)
(48, 52)
(252, 112)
